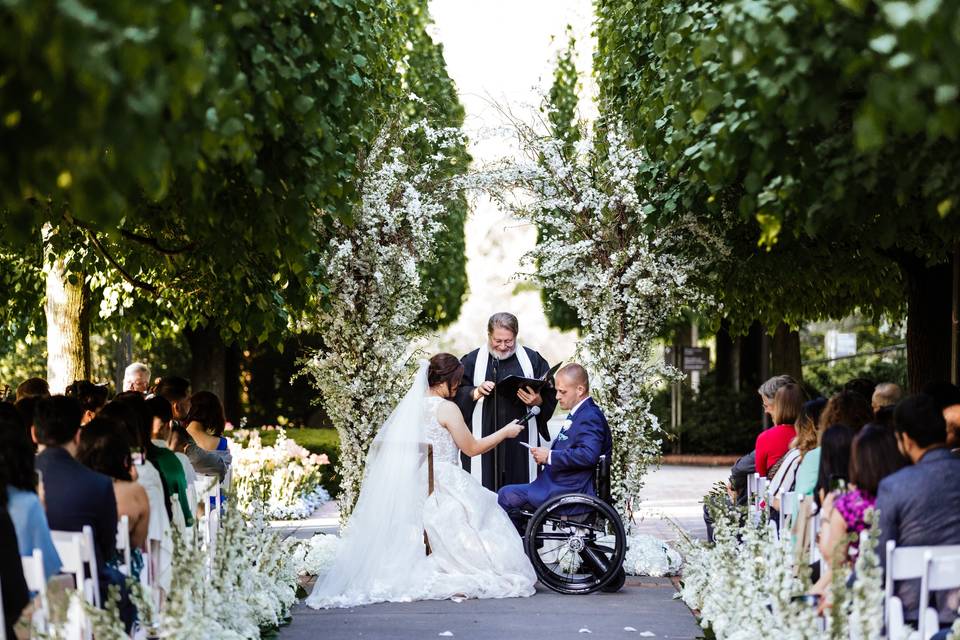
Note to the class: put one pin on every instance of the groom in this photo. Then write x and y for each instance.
(569, 465)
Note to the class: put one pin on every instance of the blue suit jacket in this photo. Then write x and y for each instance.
(574, 456)
(78, 496)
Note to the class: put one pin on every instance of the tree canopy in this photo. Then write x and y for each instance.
(824, 132)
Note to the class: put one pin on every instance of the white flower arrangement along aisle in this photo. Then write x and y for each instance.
(743, 585)
(282, 480)
(624, 280)
(248, 588)
(367, 317)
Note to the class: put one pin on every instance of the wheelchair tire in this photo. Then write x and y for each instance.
(617, 583)
(576, 554)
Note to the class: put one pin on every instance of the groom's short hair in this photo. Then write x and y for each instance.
(503, 320)
(576, 374)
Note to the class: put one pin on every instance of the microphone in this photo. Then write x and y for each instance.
(532, 413)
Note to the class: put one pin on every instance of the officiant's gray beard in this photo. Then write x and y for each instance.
(494, 354)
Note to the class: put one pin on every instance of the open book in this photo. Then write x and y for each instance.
(509, 386)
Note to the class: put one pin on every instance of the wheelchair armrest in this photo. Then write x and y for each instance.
(601, 478)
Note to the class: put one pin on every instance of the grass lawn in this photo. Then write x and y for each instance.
(316, 440)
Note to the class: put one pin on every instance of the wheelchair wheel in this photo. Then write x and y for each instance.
(576, 554)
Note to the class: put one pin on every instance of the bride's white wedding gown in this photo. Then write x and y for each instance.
(476, 551)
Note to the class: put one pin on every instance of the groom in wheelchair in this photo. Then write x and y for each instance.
(574, 537)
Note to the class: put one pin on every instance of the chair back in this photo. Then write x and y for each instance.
(78, 556)
(601, 479)
(906, 563)
(3, 620)
(940, 572)
(36, 579)
(123, 544)
(789, 504)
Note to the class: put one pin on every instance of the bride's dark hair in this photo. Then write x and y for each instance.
(445, 367)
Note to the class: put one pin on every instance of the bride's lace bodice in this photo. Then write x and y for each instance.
(444, 448)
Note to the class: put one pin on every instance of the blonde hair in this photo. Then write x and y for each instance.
(787, 404)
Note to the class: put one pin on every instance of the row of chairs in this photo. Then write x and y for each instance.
(937, 567)
(77, 553)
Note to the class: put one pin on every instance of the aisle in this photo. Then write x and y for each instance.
(645, 604)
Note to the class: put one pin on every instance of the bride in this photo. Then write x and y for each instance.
(475, 551)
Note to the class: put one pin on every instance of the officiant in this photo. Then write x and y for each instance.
(485, 409)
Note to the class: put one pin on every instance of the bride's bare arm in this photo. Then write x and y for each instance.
(450, 417)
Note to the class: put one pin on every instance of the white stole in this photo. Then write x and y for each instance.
(476, 421)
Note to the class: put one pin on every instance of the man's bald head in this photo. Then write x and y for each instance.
(573, 385)
(575, 374)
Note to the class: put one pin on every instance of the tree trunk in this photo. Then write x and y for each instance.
(123, 355)
(67, 310)
(754, 365)
(929, 299)
(231, 389)
(209, 359)
(785, 352)
(725, 375)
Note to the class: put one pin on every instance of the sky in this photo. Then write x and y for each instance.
(500, 54)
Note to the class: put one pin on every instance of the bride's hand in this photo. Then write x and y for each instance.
(513, 429)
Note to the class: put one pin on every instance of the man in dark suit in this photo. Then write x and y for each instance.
(75, 495)
(570, 463)
(919, 505)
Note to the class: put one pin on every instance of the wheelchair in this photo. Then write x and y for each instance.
(576, 542)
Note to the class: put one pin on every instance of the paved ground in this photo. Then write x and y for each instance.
(645, 605)
(644, 608)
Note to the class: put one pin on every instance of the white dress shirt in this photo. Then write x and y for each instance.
(569, 418)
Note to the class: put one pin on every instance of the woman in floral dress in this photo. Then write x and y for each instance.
(874, 456)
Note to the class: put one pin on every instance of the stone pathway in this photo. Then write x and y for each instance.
(646, 605)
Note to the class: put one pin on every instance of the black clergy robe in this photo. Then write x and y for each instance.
(513, 458)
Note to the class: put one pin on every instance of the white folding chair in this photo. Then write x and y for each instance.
(123, 545)
(940, 573)
(789, 504)
(3, 620)
(751, 490)
(36, 579)
(78, 556)
(906, 563)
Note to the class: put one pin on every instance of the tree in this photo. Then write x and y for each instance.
(825, 130)
(184, 149)
(444, 277)
(561, 107)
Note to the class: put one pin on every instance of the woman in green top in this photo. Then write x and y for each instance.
(168, 464)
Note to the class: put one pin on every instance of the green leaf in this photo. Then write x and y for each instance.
(898, 14)
(884, 44)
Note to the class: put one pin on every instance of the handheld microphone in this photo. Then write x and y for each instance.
(532, 413)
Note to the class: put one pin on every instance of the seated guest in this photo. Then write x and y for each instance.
(862, 386)
(176, 390)
(886, 394)
(847, 408)
(834, 470)
(805, 441)
(136, 378)
(947, 397)
(23, 504)
(177, 475)
(147, 473)
(26, 407)
(92, 398)
(873, 456)
(33, 388)
(205, 424)
(806, 476)
(105, 448)
(12, 584)
(773, 443)
(75, 496)
(920, 504)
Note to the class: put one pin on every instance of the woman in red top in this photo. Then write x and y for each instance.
(773, 443)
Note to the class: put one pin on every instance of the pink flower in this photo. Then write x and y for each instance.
(228, 426)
